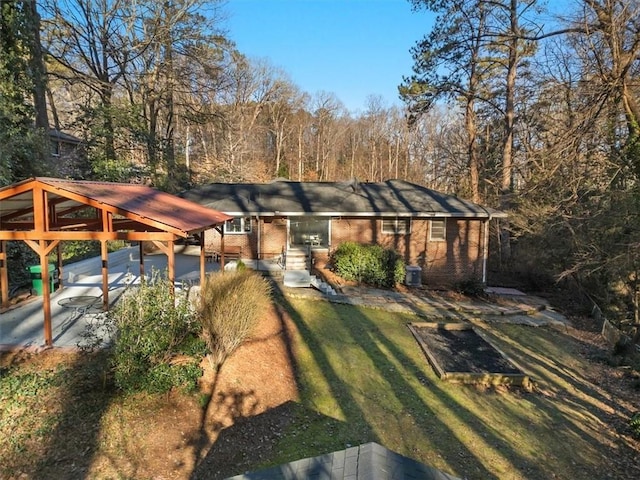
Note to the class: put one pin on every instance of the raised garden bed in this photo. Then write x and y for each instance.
(459, 353)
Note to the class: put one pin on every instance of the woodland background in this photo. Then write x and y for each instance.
(509, 105)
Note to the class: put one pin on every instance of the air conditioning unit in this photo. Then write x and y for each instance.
(413, 276)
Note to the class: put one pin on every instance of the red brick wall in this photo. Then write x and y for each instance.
(273, 238)
(442, 262)
(458, 258)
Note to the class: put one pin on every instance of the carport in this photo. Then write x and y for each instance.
(42, 212)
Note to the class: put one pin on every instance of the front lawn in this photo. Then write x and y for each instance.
(319, 377)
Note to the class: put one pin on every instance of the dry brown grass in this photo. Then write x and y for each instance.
(229, 309)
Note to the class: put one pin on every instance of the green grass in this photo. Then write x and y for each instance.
(363, 378)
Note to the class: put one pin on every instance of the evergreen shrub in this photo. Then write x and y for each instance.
(370, 264)
(156, 345)
(472, 286)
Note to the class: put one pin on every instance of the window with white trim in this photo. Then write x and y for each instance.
(438, 230)
(396, 226)
(238, 225)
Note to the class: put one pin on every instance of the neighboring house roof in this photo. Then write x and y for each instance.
(63, 137)
(389, 198)
(370, 461)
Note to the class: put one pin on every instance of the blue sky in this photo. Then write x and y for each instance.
(353, 48)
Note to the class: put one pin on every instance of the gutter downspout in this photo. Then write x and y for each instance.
(259, 249)
(485, 250)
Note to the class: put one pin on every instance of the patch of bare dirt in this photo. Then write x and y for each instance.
(257, 378)
(164, 436)
(464, 351)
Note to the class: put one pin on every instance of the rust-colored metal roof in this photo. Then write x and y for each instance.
(137, 202)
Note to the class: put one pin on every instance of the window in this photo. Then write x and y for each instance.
(238, 225)
(308, 232)
(55, 148)
(438, 230)
(396, 226)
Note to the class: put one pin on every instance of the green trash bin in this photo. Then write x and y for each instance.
(36, 278)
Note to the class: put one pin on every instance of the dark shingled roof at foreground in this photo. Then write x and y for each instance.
(370, 461)
(287, 198)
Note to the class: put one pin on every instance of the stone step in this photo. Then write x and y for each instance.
(322, 286)
(296, 263)
(297, 278)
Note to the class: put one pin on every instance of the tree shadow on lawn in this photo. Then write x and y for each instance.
(591, 423)
(84, 397)
(400, 372)
(364, 410)
(251, 442)
(561, 440)
(471, 431)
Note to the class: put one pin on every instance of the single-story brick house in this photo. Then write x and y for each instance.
(445, 236)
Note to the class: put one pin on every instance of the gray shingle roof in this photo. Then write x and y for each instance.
(370, 461)
(392, 197)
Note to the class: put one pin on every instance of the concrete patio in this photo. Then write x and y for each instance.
(23, 325)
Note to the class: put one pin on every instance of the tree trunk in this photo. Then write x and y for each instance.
(472, 150)
(506, 185)
(38, 70)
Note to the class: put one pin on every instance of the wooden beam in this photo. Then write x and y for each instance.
(36, 246)
(16, 190)
(106, 218)
(161, 246)
(221, 230)
(79, 235)
(39, 211)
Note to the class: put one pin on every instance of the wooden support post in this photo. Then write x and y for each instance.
(106, 218)
(59, 264)
(171, 263)
(141, 255)
(104, 255)
(4, 275)
(203, 260)
(46, 294)
(221, 230)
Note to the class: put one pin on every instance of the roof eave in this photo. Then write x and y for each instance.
(488, 215)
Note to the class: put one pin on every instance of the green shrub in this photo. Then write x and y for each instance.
(230, 307)
(152, 331)
(634, 423)
(19, 257)
(370, 264)
(75, 251)
(472, 287)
